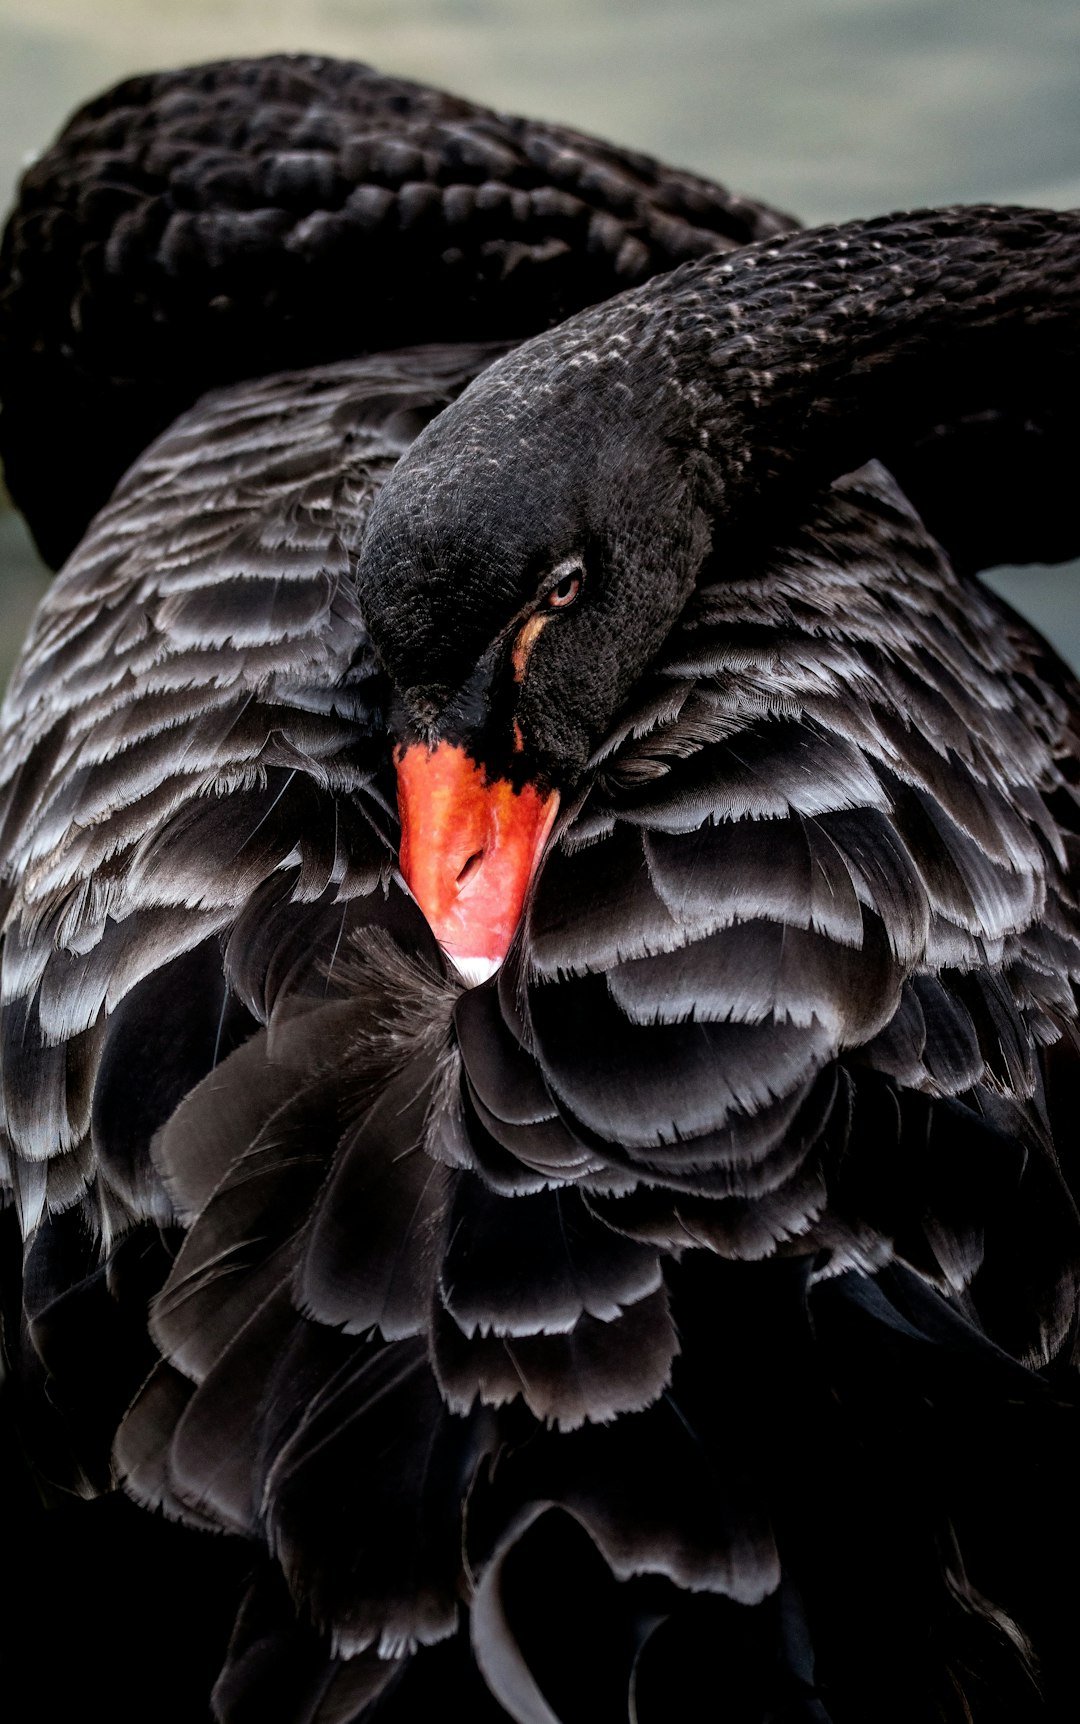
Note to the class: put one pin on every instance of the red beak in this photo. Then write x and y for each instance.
(470, 845)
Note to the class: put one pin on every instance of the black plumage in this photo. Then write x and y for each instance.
(684, 1317)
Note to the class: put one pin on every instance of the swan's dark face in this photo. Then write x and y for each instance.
(521, 567)
(523, 564)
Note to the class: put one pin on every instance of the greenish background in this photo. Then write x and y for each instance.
(829, 108)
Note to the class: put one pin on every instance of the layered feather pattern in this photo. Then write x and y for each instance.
(683, 1318)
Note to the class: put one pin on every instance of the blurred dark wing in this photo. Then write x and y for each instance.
(194, 227)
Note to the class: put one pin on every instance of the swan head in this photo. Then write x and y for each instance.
(523, 564)
(529, 555)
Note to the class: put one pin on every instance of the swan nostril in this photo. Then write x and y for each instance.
(470, 866)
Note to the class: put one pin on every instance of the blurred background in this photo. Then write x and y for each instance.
(828, 108)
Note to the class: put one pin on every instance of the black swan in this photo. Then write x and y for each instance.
(605, 1246)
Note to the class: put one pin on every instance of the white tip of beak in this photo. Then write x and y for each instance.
(475, 970)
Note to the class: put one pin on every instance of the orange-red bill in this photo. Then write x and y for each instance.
(469, 847)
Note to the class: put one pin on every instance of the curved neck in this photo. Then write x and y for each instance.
(803, 354)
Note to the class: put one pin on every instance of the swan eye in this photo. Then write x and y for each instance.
(566, 591)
